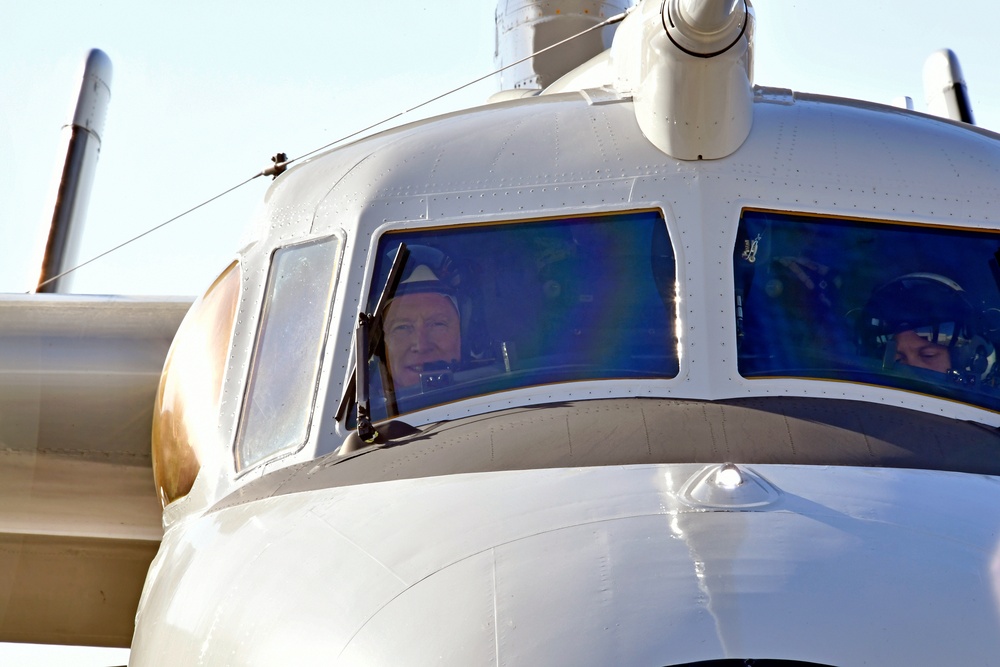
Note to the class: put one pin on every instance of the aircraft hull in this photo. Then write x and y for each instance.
(592, 565)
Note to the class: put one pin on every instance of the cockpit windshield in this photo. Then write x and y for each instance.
(485, 308)
(912, 307)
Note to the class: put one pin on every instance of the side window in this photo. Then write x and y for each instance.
(281, 392)
(913, 307)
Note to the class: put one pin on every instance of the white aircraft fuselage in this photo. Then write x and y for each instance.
(688, 267)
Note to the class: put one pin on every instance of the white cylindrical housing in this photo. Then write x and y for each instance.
(690, 71)
(524, 27)
(704, 27)
(944, 87)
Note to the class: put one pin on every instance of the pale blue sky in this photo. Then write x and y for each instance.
(205, 92)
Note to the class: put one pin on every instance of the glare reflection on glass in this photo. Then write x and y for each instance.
(728, 476)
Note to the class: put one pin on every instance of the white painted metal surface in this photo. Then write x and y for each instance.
(524, 28)
(608, 565)
(689, 68)
(588, 566)
(78, 524)
(945, 91)
(77, 380)
(612, 564)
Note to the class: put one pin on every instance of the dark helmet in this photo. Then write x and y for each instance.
(936, 309)
(429, 269)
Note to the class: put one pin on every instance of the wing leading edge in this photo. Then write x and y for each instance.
(79, 518)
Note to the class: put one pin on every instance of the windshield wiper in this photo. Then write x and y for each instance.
(368, 336)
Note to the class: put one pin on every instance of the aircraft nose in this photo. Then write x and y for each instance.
(588, 594)
(647, 580)
(638, 565)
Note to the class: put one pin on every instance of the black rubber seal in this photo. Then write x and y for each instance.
(743, 29)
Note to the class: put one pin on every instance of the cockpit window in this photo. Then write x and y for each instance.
(912, 307)
(284, 373)
(485, 308)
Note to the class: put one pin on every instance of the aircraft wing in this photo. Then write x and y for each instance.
(79, 517)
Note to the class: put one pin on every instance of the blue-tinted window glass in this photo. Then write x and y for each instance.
(914, 307)
(486, 308)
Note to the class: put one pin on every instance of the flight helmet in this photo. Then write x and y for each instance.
(936, 309)
(429, 269)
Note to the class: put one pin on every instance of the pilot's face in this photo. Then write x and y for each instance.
(913, 350)
(419, 329)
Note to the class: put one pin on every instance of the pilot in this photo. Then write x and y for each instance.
(918, 349)
(923, 322)
(422, 322)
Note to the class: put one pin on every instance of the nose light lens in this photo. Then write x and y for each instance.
(728, 486)
(728, 476)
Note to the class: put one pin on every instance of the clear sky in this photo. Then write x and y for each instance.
(203, 94)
